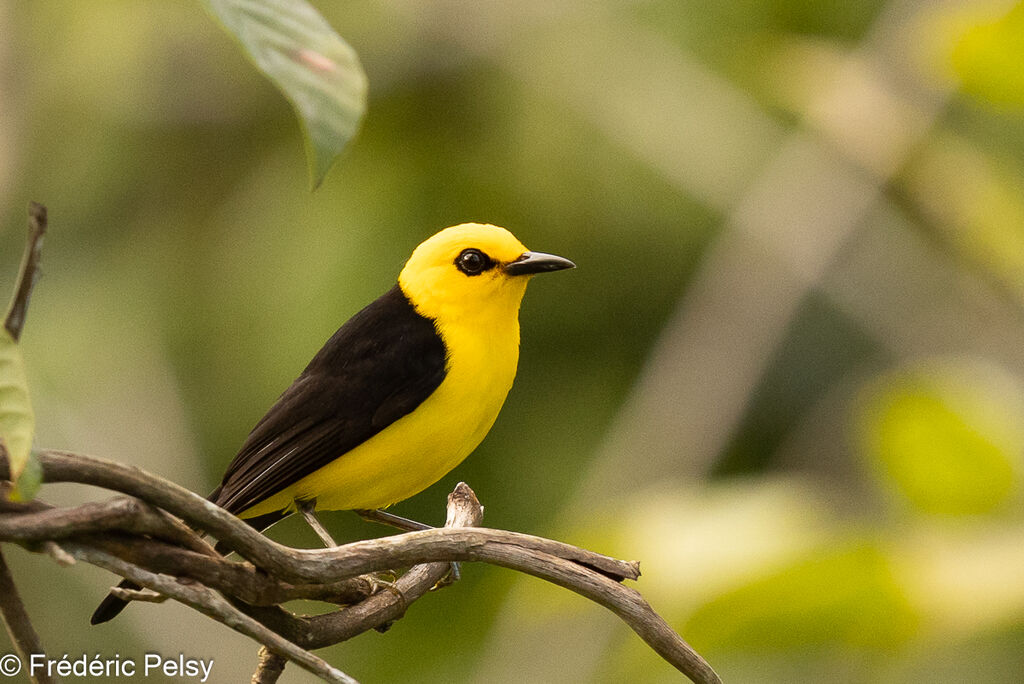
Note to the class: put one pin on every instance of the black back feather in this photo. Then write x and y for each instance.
(375, 369)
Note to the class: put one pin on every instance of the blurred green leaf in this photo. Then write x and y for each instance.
(976, 201)
(845, 597)
(17, 421)
(316, 70)
(31, 478)
(987, 59)
(947, 437)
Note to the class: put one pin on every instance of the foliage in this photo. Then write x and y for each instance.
(316, 70)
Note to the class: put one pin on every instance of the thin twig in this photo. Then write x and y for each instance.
(61, 466)
(141, 595)
(58, 554)
(14, 321)
(19, 626)
(383, 608)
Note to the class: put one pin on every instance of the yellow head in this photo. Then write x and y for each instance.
(472, 271)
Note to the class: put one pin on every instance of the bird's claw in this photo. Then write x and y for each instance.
(383, 581)
(453, 575)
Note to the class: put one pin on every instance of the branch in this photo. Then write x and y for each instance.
(19, 626)
(383, 608)
(103, 525)
(145, 545)
(29, 273)
(377, 611)
(296, 565)
(210, 603)
(36, 520)
(269, 668)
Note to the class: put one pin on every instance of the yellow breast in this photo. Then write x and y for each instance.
(420, 448)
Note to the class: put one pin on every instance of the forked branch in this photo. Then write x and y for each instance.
(140, 537)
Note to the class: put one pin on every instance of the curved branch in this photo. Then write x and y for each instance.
(235, 579)
(282, 561)
(62, 466)
(210, 603)
(382, 608)
(36, 520)
(321, 571)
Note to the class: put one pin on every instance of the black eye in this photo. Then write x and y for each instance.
(473, 262)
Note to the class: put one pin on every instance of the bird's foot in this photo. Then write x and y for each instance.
(453, 575)
(383, 581)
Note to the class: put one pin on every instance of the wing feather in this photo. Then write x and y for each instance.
(375, 369)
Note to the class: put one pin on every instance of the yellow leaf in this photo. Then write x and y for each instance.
(840, 597)
(987, 59)
(946, 436)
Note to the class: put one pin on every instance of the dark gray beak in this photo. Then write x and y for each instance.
(531, 263)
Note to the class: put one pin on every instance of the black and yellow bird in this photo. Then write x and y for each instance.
(399, 395)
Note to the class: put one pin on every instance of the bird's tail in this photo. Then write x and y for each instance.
(111, 606)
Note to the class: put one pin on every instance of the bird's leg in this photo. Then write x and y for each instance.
(398, 522)
(307, 509)
(378, 515)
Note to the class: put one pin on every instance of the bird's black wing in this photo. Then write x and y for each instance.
(375, 369)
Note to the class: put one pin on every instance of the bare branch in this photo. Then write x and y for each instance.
(58, 554)
(209, 603)
(464, 510)
(269, 668)
(498, 547)
(40, 521)
(137, 541)
(306, 565)
(143, 595)
(19, 626)
(14, 321)
(236, 579)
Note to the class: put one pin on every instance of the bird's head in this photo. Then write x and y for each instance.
(472, 270)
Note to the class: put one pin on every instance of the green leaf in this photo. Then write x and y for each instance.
(947, 436)
(17, 421)
(28, 483)
(977, 201)
(316, 70)
(839, 597)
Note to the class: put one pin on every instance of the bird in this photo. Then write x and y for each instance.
(404, 390)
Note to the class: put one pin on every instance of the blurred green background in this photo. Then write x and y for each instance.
(786, 376)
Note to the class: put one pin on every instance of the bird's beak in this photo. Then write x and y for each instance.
(531, 263)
